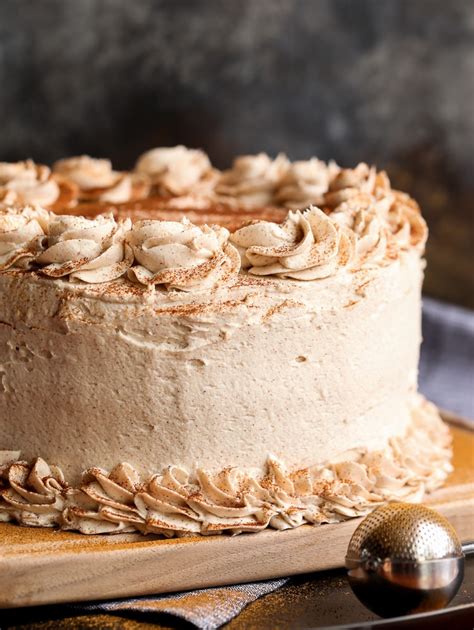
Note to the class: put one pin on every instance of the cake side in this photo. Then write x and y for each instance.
(301, 371)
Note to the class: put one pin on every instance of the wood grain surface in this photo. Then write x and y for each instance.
(45, 566)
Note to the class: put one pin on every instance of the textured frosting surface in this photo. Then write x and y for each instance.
(224, 376)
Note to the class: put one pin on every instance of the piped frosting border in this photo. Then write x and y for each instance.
(176, 502)
(364, 230)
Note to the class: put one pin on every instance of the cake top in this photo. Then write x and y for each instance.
(304, 220)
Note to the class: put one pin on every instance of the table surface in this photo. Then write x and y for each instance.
(308, 601)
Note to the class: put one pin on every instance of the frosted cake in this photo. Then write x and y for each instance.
(190, 351)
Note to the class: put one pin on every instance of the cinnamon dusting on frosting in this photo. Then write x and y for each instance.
(91, 250)
(182, 255)
(282, 306)
(307, 246)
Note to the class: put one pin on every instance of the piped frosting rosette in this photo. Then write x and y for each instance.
(252, 180)
(34, 495)
(181, 255)
(178, 171)
(97, 181)
(350, 182)
(307, 246)
(29, 183)
(366, 220)
(22, 232)
(91, 250)
(406, 223)
(305, 183)
(364, 200)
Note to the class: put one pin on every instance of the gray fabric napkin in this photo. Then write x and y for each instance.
(446, 377)
(206, 608)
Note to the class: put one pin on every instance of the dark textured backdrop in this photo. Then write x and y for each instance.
(385, 81)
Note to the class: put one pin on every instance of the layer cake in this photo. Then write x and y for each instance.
(189, 352)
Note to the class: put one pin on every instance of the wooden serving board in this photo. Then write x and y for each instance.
(43, 566)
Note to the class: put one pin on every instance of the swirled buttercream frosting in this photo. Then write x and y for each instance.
(307, 246)
(368, 228)
(252, 180)
(373, 241)
(91, 250)
(181, 255)
(177, 170)
(21, 235)
(304, 183)
(35, 494)
(406, 223)
(176, 502)
(97, 181)
(350, 182)
(28, 183)
(378, 214)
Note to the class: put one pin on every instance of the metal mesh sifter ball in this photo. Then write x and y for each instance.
(404, 558)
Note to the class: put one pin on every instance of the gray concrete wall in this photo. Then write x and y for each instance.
(386, 81)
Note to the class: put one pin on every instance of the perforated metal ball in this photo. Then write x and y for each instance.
(404, 558)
